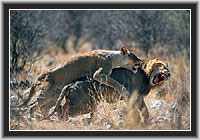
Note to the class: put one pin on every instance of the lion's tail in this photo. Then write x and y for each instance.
(64, 91)
(31, 94)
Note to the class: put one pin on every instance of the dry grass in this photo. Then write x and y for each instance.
(169, 106)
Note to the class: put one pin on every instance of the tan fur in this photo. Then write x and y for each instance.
(83, 94)
(98, 64)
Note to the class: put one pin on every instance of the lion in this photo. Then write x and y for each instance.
(81, 96)
(98, 64)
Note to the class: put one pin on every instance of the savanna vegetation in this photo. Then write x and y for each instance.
(40, 38)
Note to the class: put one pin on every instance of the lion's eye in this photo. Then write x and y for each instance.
(166, 68)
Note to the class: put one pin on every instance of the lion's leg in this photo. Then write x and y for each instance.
(143, 108)
(32, 109)
(101, 75)
(42, 105)
(48, 97)
(135, 102)
(46, 100)
(64, 112)
(132, 112)
(63, 93)
(136, 115)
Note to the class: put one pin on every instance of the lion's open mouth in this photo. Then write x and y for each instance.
(160, 77)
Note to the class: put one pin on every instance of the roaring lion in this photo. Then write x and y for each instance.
(81, 96)
(98, 64)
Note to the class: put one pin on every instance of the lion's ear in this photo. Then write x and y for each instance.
(143, 63)
(124, 51)
(156, 58)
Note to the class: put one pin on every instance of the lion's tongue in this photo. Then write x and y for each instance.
(156, 80)
(159, 77)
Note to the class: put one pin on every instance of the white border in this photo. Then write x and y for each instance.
(101, 10)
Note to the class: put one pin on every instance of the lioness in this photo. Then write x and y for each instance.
(98, 64)
(83, 94)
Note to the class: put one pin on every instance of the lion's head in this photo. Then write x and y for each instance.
(157, 72)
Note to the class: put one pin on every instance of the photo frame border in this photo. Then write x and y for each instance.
(116, 5)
